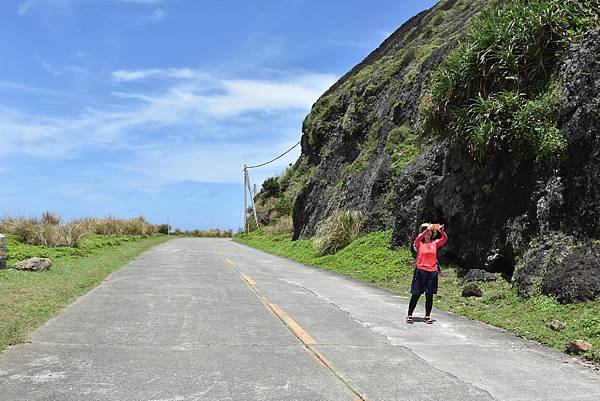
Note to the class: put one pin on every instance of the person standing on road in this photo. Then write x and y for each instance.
(425, 276)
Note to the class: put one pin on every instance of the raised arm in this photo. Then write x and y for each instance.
(419, 238)
(440, 242)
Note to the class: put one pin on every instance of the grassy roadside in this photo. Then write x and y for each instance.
(28, 299)
(369, 259)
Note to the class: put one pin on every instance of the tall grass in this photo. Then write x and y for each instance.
(283, 225)
(46, 232)
(114, 226)
(339, 230)
(50, 232)
(507, 64)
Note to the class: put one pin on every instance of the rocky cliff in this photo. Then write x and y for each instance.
(361, 132)
(532, 218)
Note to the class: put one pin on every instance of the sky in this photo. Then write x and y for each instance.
(152, 107)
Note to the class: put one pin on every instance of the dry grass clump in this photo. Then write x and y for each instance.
(49, 231)
(337, 231)
(282, 225)
(50, 218)
(113, 226)
(46, 232)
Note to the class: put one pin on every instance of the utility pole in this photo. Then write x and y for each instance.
(247, 181)
(245, 201)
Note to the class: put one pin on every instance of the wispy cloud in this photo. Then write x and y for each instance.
(140, 75)
(199, 119)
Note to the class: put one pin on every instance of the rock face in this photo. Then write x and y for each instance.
(34, 264)
(545, 215)
(346, 138)
(577, 278)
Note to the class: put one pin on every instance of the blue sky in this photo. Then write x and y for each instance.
(151, 107)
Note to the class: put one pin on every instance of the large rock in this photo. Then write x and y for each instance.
(542, 256)
(577, 277)
(479, 275)
(34, 264)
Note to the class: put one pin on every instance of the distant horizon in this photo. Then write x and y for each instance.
(151, 108)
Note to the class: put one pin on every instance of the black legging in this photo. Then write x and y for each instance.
(413, 304)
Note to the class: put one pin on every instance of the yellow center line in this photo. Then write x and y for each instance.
(302, 335)
(296, 329)
(249, 281)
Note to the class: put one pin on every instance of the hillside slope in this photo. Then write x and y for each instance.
(352, 139)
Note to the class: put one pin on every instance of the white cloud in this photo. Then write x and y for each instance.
(209, 117)
(141, 75)
(226, 97)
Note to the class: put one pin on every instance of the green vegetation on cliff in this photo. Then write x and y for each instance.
(496, 91)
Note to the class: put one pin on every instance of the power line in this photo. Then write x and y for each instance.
(278, 157)
(247, 187)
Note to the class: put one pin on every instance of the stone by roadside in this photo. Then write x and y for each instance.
(577, 347)
(34, 264)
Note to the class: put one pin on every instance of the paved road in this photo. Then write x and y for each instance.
(200, 319)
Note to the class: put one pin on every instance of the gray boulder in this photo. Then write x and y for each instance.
(34, 264)
(479, 275)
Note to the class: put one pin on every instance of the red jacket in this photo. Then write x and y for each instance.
(427, 251)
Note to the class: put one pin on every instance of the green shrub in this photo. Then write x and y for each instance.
(164, 228)
(270, 188)
(284, 206)
(337, 231)
(403, 145)
(325, 108)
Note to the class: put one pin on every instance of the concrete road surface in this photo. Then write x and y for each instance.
(209, 319)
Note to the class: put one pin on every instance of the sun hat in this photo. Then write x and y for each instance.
(434, 227)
